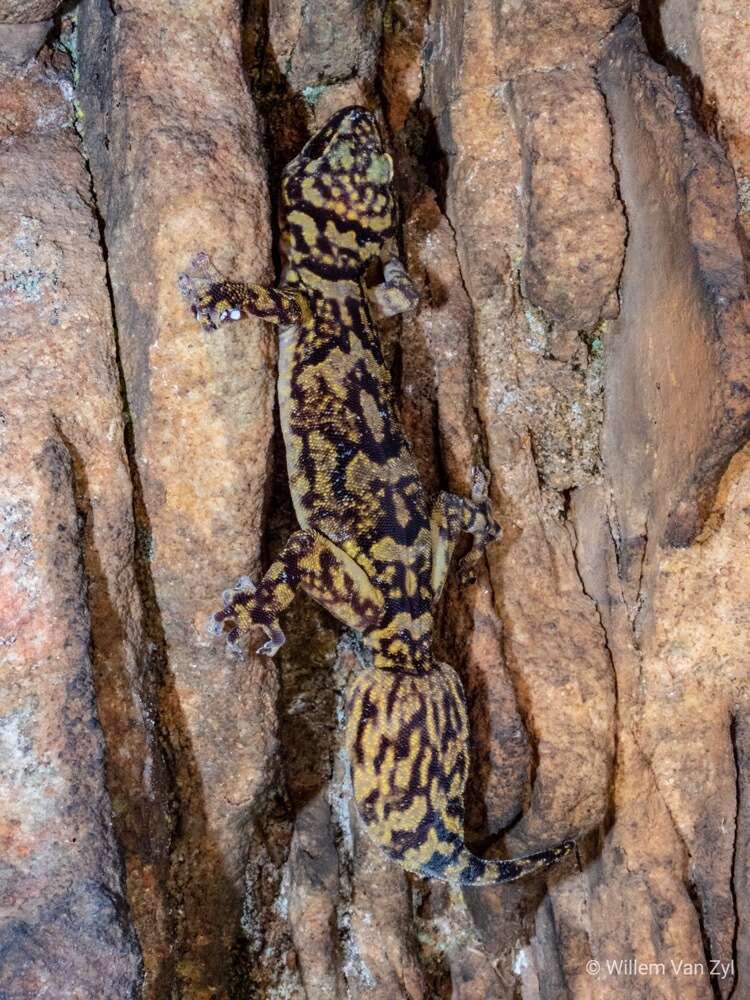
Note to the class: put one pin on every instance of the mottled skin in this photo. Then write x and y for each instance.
(368, 548)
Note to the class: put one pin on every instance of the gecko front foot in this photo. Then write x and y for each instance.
(396, 294)
(209, 294)
(479, 522)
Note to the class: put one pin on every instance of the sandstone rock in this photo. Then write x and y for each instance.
(309, 59)
(321, 46)
(72, 684)
(401, 79)
(21, 42)
(495, 42)
(65, 924)
(575, 229)
(177, 166)
(23, 11)
(515, 377)
(36, 106)
(707, 44)
(679, 709)
(678, 365)
(314, 876)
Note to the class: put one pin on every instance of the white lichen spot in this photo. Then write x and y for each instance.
(281, 903)
(313, 94)
(33, 786)
(576, 413)
(520, 961)
(537, 340)
(743, 194)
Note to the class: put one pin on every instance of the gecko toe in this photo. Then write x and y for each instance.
(233, 644)
(276, 640)
(200, 261)
(214, 627)
(480, 482)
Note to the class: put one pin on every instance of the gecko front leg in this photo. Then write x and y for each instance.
(452, 515)
(214, 299)
(397, 293)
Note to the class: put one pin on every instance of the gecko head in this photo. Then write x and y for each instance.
(337, 199)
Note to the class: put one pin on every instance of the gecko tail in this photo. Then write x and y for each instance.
(467, 869)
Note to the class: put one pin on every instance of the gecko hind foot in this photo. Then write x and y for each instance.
(235, 619)
(480, 486)
(480, 523)
(234, 616)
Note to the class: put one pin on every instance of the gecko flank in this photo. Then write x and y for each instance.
(368, 548)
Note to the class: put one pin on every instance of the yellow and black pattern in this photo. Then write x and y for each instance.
(368, 547)
(408, 741)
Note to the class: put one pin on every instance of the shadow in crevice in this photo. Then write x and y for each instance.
(284, 114)
(125, 701)
(160, 823)
(703, 108)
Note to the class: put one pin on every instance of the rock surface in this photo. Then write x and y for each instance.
(571, 178)
(177, 167)
(71, 684)
(26, 11)
(686, 409)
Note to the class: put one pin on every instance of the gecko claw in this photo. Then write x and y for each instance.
(245, 583)
(201, 263)
(276, 640)
(205, 289)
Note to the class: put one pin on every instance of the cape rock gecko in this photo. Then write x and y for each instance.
(368, 548)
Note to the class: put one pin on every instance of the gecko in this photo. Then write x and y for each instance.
(369, 547)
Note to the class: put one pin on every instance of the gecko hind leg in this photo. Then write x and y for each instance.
(308, 561)
(452, 515)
